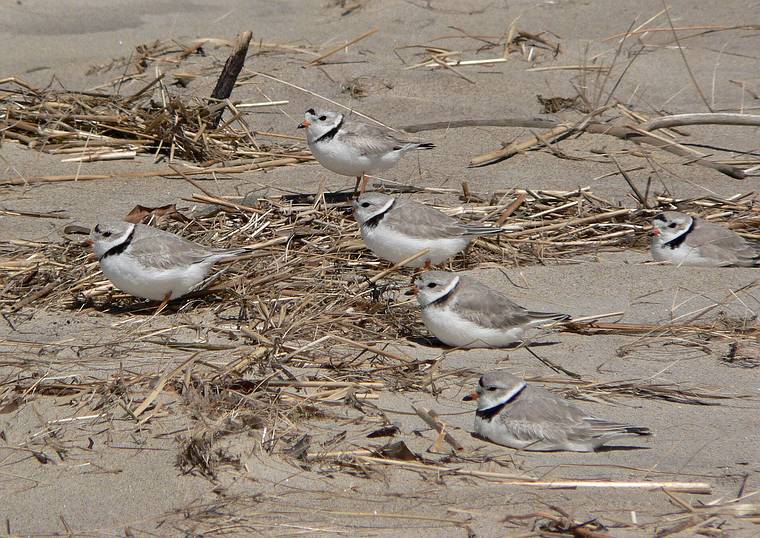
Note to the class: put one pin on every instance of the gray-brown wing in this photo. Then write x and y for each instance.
(488, 307)
(371, 139)
(163, 250)
(543, 415)
(723, 244)
(538, 414)
(423, 221)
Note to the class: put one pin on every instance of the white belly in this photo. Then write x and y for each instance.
(682, 255)
(394, 247)
(347, 161)
(455, 331)
(133, 278)
(497, 432)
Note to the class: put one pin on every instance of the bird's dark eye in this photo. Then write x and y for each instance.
(672, 225)
(311, 111)
(322, 118)
(107, 234)
(491, 389)
(432, 285)
(365, 204)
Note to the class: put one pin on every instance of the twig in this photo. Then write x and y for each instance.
(640, 197)
(438, 426)
(683, 55)
(161, 384)
(318, 59)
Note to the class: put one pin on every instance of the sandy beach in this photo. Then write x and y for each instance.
(286, 402)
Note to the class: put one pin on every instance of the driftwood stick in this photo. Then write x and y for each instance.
(624, 132)
(520, 146)
(523, 145)
(232, 67)
(532, 123)
(677, 120)
(511, 209)
(640, 136)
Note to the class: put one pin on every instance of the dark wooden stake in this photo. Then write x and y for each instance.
(232, 67)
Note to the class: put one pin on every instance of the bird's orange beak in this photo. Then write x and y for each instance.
(414, 289)
(655, 232)
(89, 242)
(471, 396)
(303, 124)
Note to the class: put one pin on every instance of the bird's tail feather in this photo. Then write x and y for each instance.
(638, 430)
(482, 230)
(229, 254)
(548, 316)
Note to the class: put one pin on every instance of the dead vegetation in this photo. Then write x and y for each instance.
(303, 327)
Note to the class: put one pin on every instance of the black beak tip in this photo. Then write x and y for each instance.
(467, 398)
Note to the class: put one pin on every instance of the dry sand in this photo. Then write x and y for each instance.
(115, 477)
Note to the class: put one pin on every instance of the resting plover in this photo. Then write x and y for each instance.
(396, 228)
(685, 240)
(515, 414)
(462, 312)
(151, 263)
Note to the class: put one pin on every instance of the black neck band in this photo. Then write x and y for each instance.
(488, 414)
(442, 300)
(374, 221)
(121, 247)
(329, 135)
(674, 243)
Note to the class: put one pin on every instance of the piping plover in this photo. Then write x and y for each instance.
(353, 148)
(151, 263)
(685, 240)
(462, 312)
(515, 414)
(396, 228)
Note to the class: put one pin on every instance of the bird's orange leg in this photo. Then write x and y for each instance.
(364, 182)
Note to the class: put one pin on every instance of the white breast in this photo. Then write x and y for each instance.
(346, 160)
(683, 254)
(128, 275)
(393, 246)
(453, 330)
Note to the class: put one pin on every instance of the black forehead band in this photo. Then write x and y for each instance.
(661, 216)
(311, 111)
